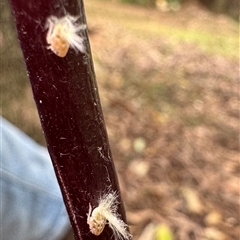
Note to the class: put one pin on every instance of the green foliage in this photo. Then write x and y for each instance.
(147, 3)
(230, 7)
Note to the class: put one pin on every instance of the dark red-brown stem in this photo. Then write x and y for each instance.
(66, 95)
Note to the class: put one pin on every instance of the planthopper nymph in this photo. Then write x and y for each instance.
(64, 33)
(106, 213)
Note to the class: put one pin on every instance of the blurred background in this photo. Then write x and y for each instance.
(168, 77)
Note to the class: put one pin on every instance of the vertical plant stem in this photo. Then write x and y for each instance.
(66, 95)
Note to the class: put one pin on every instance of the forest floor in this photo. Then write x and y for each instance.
(169, 88)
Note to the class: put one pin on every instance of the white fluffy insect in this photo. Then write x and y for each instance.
(64, 33)
(106, 213)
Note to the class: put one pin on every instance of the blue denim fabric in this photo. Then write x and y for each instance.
(31, 204)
